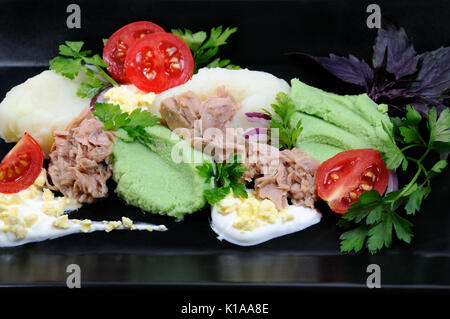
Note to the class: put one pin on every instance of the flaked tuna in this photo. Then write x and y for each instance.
(79, 160)
(278, 175)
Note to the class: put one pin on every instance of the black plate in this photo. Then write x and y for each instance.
(189, 254)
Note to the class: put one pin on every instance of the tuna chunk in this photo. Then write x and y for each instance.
(183, 110)
(217, 111)
(79, 159)
(282, 175)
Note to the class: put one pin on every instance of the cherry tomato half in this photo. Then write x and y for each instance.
(21, 166)
(341, 179)
(118, 44)
(158, 62)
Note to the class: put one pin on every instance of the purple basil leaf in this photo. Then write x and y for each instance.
(348, 69)
(421, 106)
(433, 78)
(402, 59)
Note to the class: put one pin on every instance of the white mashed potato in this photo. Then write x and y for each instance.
(44, 102)
(254, 90)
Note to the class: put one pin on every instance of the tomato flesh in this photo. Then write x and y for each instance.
(341, 179)
(158, 62)
(118, 44)
(21, 166)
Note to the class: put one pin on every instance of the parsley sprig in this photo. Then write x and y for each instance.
(281, 123)
(134, 124)
(375, 219)
(72, 60)
(204, 48)
(226, 177)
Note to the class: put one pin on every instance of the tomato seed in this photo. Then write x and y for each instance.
(353, 195)
(174, 67)
(23, 163)
(334, 176)
(369, 174)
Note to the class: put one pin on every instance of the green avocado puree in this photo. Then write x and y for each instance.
(149, 178)
(334, 123)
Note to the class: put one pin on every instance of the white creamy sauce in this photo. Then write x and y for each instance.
(45, 231)
(222, 224)
(35, 214)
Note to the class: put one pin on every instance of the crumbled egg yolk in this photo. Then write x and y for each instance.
(31, 219)
(17, 224)
(128, 223)
(48, 195)
(21, 211)
(252, 212)
(85, 224)
(110, 226)
(61, 222)
(129, 99)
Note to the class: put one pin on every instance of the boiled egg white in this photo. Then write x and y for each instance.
(251, 221)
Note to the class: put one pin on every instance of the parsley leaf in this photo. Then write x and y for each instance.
(214, 195)
(67, 67)
(380, 235)
(204, 49)
(193, 40)
(225, 63)
(206, 170)
(93, 86)
(72, 60)
(114, 119)
(226, 177)
(393, 157)
(439, 130)
(281, 128)
(410, 127)
(73, 49)
(353, 239)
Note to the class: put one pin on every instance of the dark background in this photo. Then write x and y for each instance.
(188, 255)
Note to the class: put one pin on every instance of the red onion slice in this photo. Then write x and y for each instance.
(258, 117)
(99, 97)
(393, 182)
(257, 131)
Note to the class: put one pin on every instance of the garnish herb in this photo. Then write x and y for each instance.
(398, 76)
(72, 60)
(375, 219)
(287, 131)
(134, 124)
(205, 49)
(226, 177)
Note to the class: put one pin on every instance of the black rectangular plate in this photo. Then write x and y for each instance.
(189, 254)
